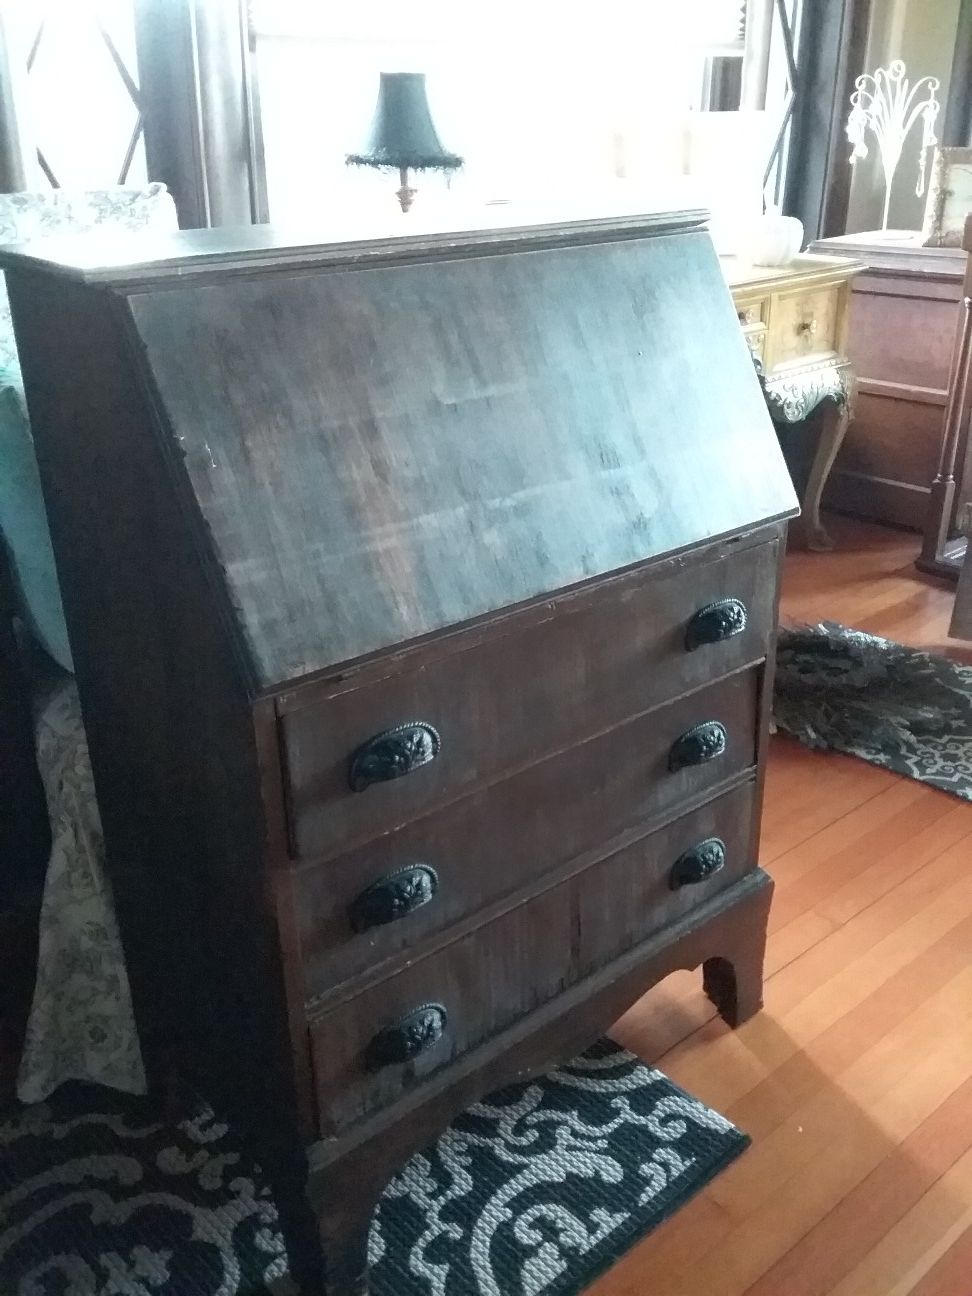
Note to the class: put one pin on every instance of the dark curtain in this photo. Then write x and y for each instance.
(957, 127)
(830, 56)
(723, 84)
(199, 102)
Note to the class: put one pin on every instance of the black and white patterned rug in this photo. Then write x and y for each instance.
(907, 710)
(533, 1192)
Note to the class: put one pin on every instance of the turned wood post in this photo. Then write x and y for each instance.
(941, 505)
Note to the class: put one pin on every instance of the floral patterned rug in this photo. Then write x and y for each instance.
(907, 710)
(532, 1192)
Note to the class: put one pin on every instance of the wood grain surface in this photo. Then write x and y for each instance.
(365, 484)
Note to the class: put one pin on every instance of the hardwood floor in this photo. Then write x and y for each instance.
(855, 1082)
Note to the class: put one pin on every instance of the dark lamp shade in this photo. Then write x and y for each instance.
(402, 133)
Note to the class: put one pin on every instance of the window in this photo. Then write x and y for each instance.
(535, 95)
(79, 91)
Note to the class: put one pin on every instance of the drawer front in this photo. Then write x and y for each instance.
(515, 698)
(648, 885)
(375, 1047)
(752, 313)
(804, 325)
(483, 982)
(375, 901)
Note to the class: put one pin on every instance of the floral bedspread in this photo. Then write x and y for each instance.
(81, 1023)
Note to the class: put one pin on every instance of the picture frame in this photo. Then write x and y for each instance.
(949, 198)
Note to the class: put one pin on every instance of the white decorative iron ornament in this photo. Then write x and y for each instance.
(888, 105)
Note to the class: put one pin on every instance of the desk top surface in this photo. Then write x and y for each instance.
(119, 259)
(899, 251)
(804, 269)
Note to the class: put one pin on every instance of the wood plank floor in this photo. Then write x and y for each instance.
(855, 1082)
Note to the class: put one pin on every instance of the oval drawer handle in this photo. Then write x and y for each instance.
(715, 622)
(393, 754)
(418, 1031)
(705, 742)
(699, 863)
(394, 896)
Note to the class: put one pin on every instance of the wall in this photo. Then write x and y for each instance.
(922, 32)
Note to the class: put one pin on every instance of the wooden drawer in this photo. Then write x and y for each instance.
(501, 971)
(633, 893)
(804, 325)
(510, 835)
(753, 313)
(513, 698)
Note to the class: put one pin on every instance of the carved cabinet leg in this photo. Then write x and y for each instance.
(733, 980)
(345, 1244)
(835, 419)
(735, 988)
(344, 1196)
(298, 1226)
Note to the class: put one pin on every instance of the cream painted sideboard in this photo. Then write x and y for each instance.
(795, 319)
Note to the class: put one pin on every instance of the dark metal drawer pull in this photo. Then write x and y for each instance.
(394, 896)
(703, 743)
(716, 622)
(393, 754)
(406, 1039)
(699, 863)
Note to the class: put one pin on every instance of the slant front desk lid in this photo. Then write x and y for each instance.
(386, 438)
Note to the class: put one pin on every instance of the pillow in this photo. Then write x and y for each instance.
(23, 522)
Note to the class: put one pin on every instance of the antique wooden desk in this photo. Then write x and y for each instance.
(422, 595)
(795, 320)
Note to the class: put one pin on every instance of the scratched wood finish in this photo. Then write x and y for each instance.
(496, 974)
(282, 479)
(627, 766)
(596, 660)
(349, 438)
(513, 833)
(485, 981)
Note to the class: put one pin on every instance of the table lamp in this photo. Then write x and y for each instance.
(403, 135)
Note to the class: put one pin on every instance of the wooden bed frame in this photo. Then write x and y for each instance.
(24, 839)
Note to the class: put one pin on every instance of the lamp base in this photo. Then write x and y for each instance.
(405, 195)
